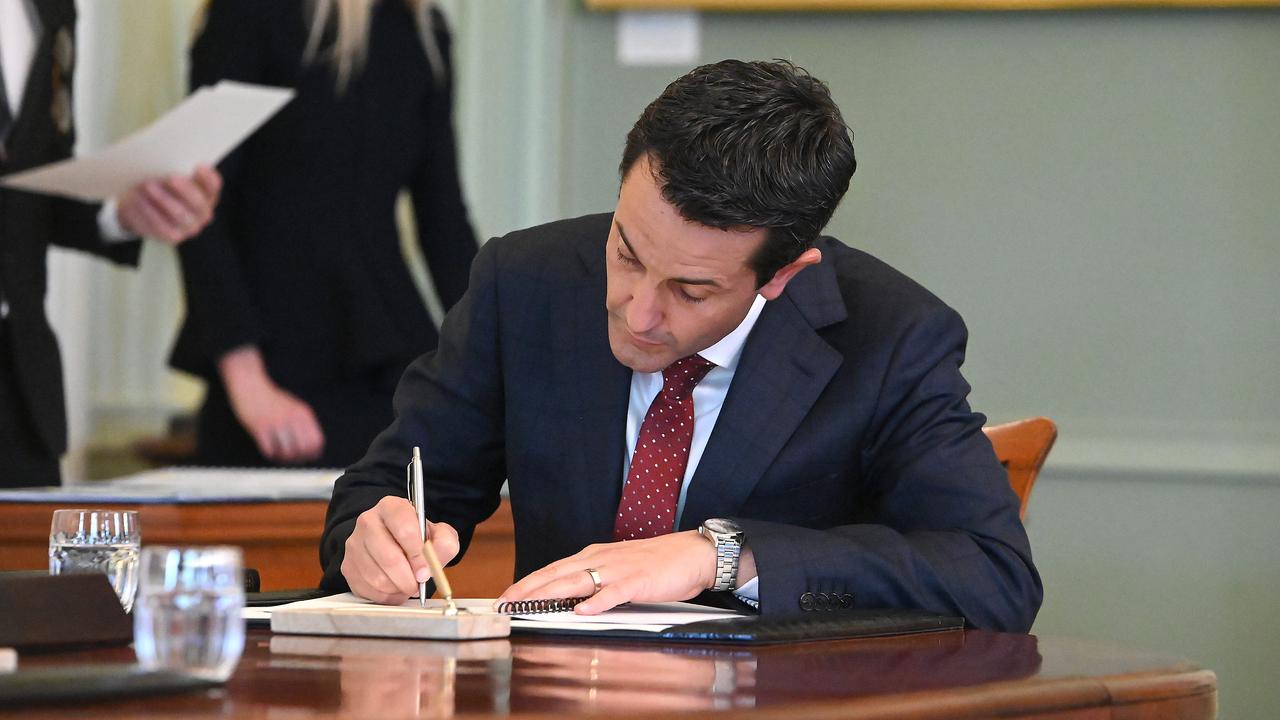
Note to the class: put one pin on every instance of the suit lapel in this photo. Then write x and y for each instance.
(598, 388)
(53, 17)
(784, 368)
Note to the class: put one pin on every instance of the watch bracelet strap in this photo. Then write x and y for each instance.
(728, 555)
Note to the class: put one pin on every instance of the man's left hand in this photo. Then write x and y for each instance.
(670, 567)
(171, 209)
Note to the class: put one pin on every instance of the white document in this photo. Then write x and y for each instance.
(190, 485)
(644, 617)
(206, 126)
(651, 617)
(201, 482)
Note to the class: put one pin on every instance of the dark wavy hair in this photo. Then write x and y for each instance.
(749, 144)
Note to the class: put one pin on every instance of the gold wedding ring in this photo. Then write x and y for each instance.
(595, 579)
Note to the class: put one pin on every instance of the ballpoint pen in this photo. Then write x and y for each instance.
(415, 491)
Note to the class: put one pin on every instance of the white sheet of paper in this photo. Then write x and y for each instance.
(656, 616)
(647, 617)
(206, 126)
(189, 485)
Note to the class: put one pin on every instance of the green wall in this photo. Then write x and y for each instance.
(1097, 192)
(1182, 565)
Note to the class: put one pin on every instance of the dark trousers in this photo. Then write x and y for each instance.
(351, 412)
(25, 459)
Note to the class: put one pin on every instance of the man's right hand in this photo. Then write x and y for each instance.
(283, 426)
(170, 209)
(384, 561)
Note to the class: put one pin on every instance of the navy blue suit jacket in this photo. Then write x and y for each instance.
(845, 446)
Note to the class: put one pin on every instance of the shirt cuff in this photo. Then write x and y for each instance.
(749, 593)
(109, 224)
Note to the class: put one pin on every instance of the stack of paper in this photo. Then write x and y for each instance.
(635, 617)
(640, 617)
(190, 485)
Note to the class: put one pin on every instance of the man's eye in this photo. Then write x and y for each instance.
(687, 297)
(627, 260)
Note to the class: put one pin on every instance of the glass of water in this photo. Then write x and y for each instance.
(97, 541)
(188, 616)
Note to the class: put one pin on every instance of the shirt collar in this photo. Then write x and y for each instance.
(726, 353)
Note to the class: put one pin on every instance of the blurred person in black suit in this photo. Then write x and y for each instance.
(37, 57)
(302, 312)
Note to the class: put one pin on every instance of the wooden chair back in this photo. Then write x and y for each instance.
(1021, 447)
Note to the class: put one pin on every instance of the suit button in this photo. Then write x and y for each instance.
(823, 601)
(846, 600)
(806, 601)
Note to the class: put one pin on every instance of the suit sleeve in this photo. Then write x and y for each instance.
(220, 305)
(946, 536)
(450, 403)
(444, 232)
(75, 226)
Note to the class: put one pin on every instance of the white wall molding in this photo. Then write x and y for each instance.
(1175, 449)
(1174, 459)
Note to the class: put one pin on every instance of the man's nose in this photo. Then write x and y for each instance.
(643, 312)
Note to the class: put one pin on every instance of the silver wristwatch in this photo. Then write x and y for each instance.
(727, 537)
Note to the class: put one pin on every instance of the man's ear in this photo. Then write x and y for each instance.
(772, 289)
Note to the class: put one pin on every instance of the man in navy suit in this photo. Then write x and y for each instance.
(699, 394)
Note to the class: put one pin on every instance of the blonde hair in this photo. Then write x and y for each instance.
(351, 46)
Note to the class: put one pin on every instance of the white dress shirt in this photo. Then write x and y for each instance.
(708, 398)
(19, 31)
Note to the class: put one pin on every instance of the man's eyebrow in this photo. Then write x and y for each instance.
(622, 234)
(683, 281)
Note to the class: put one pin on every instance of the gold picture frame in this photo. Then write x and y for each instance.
(912, 5)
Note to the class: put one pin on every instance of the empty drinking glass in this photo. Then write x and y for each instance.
(97, 541)
(188, 616)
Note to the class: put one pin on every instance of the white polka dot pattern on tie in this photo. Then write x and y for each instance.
(648, 506)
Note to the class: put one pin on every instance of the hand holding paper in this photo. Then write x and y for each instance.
(171, 209)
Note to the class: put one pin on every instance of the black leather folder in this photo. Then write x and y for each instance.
(767, 630)
(45, 612)
(81, 683)
(839, 625)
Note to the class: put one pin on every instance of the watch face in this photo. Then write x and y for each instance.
(720, 525)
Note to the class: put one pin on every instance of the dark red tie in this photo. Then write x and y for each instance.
(648, 506)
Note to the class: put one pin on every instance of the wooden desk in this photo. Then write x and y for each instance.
(280, 539)
(944, 675)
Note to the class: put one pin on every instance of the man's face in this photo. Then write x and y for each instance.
(675, 287)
